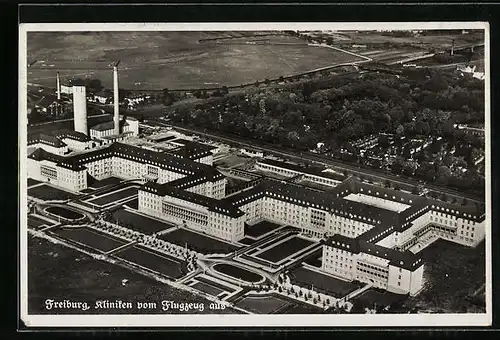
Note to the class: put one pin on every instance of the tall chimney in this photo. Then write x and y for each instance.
(116, 117)
(452, 46)
(58, 87)
(80, 109)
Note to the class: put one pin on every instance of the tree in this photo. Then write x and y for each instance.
(34, 116)
(387, 183)
(400, 130)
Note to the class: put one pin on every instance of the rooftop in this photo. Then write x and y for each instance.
(46, 139)
(219, 206)
(312, 170)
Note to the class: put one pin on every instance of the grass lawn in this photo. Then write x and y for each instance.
(215, 284)
(379, 297)
(285, 249)
(32, 181)
(48, 193)
(134, 204)
(247, 241)
(198, 242)
(315, 258)
(207, 288)
(260, 228)
(63, 273)
(113, 197)
(35, 222)
(105, 182)
(152, 260)
(65, 213)
(237, 272)
(453, 273)
(321, 282)
(267, 304)
(90, 238)
(138, 222)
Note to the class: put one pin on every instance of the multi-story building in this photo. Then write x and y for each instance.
(369, 233)
(318, 175)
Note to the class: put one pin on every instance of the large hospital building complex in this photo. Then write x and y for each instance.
(369, 233)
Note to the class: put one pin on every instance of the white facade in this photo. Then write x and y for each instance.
(80, 109)
(47, 171)
(192, 215)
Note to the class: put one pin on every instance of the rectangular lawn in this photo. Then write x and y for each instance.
(152, 260)
(262, 304)
(113, 197)
(105, 182)
(322, 282)
(91, 238)
(198, 242)
(260, 228)
(138, 222)
(48, 193)
(32, 181)
(285, 249)
(207, 288)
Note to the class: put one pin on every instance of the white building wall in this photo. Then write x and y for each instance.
(80, 109)
(52, 149)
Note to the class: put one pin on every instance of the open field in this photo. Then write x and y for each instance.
(138, 222)
(146, 258)
(90, 238)
(116, 196)
(64, 273)
(175, 60)
(198, 242)
(285, 249)
(48, 193)
(323, 282)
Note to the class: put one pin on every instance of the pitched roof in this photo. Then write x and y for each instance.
(46, 139)
(218, 206)
(70, 134)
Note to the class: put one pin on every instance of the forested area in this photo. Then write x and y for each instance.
(339, 110)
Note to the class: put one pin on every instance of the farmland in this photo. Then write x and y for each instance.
(176, 60)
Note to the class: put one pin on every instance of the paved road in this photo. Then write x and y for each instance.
(403, 181)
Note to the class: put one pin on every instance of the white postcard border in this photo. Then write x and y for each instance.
(230, 320)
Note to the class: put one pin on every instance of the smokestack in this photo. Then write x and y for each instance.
(80, 109)
(58, 87)
(452, 46)
(116, 117)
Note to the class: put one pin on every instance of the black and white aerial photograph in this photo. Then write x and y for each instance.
(314, 175)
